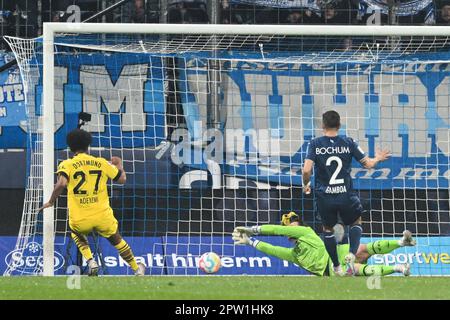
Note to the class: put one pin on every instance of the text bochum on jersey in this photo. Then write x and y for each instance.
(332, 158)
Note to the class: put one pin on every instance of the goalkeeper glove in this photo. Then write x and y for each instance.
(241, 238)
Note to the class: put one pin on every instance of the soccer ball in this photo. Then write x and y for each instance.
(209, 262)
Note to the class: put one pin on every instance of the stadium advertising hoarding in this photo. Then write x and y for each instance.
(287, 96)
(429, 257)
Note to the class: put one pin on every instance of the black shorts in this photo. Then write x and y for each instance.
(347, 206)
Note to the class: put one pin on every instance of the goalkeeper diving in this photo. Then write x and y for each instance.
(310, 253)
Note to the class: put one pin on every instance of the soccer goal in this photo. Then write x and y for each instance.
(212, 123)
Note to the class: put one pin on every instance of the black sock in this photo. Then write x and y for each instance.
(354, 236)
(330, 245)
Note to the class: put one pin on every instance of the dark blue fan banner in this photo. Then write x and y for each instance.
(312, 4)
(402, 9)
(405, 8)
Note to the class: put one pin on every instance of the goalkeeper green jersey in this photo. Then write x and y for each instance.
(309, 251)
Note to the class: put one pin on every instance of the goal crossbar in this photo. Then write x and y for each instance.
(208, 29)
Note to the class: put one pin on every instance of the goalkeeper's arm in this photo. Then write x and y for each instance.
(283, 253)
(61, 184)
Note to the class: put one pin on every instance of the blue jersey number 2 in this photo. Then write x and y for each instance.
(333, 179)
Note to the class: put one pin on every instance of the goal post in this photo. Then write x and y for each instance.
(193, 39)
(48, 142)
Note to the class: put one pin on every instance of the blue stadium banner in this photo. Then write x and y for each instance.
(12, 96)
(311, 4)
(178, 255)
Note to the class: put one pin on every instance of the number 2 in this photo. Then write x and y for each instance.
(77, 188)
(333, 179)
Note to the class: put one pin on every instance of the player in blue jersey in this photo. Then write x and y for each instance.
(331, 156)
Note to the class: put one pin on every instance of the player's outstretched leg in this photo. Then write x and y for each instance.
(83, 245)
(126, 253)
(403, 268)
(373, 270)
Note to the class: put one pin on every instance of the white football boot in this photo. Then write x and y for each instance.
(141, 269)
(403, 268)
(350, 264)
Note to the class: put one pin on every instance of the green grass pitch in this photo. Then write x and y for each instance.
(224, 288)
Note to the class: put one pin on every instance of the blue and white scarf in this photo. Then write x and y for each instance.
(310, 4)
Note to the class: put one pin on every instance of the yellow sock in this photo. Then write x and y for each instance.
(83, 246)
(126, 254)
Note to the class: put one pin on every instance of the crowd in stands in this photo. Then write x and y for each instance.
(24, 17)
(444, 13)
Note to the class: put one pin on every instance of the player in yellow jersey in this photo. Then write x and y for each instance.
(85, 178)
